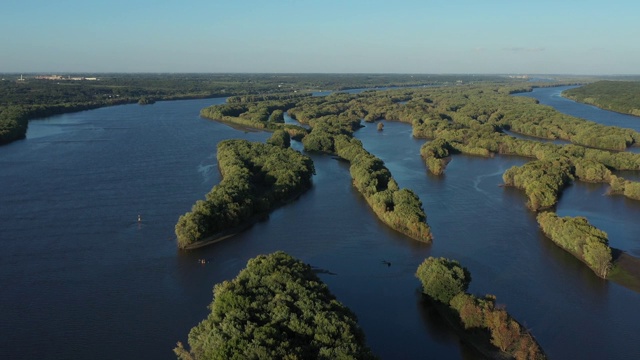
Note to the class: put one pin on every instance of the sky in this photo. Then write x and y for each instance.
(329, 36)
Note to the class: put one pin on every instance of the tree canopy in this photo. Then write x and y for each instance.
(276, 308)
(256, 178)
(578, 237)
(446, 281)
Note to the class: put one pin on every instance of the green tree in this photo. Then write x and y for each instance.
(442, 279)
(276, 308)
(280, 138)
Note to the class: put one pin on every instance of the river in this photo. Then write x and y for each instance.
(81, 278)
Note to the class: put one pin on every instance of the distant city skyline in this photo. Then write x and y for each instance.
(248, 36)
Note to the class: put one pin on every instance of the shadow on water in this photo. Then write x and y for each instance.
(439, 328)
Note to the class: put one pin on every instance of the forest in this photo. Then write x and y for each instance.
(619, 96)
(276, 308)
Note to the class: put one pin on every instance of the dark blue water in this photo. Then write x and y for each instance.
(80, 278)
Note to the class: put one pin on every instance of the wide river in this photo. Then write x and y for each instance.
(80, 278)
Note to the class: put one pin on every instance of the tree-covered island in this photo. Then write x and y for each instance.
(276, 308)
(481, 323)
(256, 178)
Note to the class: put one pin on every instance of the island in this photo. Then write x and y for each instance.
(276, 308)
(482, 324)
(256, 179)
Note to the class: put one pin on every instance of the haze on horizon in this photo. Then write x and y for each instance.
(404, 36)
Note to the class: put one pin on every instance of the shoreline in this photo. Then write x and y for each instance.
(594, 105)
(223, 235)
(231, 232)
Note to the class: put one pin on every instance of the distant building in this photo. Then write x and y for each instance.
(49, 77)
(60, 77)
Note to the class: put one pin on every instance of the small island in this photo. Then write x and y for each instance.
(256, 179)
(482, 324)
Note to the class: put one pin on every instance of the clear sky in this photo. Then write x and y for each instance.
(359, 36)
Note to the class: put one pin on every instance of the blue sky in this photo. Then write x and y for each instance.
(401, 36)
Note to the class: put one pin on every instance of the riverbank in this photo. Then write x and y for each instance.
(223, 235)
(617, 96)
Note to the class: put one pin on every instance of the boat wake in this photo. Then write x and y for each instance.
(478, 179)
(206, 171)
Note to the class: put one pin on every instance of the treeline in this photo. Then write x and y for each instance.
(37, 98)
(445, 282)
(619, 96)
(32, 99)
(265, 115)
(13, 123)
(453, 108)
(581, 239)
(276, 308)
(400, 209)
(255, 179)
(265, 97)
(472, 120)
